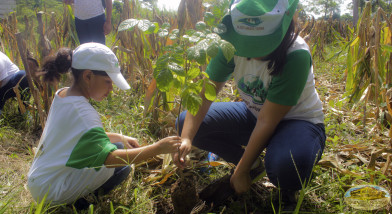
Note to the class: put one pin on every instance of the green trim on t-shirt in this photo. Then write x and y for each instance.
(91, 150)
(219, 69)
(286, 88)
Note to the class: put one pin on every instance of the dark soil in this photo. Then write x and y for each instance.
(183, 194)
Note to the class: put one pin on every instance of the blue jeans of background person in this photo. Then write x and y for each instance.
(227, 127)
(7, 92)
(91, 30)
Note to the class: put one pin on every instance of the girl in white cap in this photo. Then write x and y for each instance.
(281, 110)
(75, 156)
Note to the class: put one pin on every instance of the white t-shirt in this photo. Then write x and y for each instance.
(71, 153)
(87, 9)
(294, 87)
(7, 69)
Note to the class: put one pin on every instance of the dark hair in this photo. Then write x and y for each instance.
(278, 57)
(57, 64)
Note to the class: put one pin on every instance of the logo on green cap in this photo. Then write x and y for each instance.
(251, 22)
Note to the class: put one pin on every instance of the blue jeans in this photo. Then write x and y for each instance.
(91, 30)
(7, 92)
(228, 126)
(120, 174)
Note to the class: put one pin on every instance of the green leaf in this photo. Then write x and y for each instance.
(198, 86)
(213, 49)
(194, 39)
(163, 32)
(190, 32)
(166, 26)
(213, 37)
(203, 44)
(176, 68)
(201, 57)
(227, 49)
(220, 28)
(206, 75)
(192, 102)
(387, 48)
(201, 26)
(164, 78)
(152, 29)
(173, 36)
(177, 83)
(156, 27)
(210, 92)
(199, 34)
(209, 18)
(144, 25)
(198, 54)
(193, 73)
(191, 53)
(175, 31)
(128, 24)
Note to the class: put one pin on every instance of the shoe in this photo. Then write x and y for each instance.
(288, 200)
(84, 203)
(81, 204)
(211, 157)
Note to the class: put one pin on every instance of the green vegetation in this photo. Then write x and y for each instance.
(160, 56)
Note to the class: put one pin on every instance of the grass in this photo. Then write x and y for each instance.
(350, 142)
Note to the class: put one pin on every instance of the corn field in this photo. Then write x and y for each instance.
(183, 42)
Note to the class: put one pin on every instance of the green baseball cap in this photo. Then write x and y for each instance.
(257, 27)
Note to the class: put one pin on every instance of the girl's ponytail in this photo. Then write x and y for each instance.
(57, 64)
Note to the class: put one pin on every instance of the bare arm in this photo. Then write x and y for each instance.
(191, 125)
(267, 120)
(121, 157)
(129, 142)
(107, 27)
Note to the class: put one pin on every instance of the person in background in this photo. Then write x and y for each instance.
(75, 156)
(281, 111)
(90, 21)
(10, 76)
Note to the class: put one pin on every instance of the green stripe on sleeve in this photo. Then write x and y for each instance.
(92, 150)
(286, 88)
(219, 69)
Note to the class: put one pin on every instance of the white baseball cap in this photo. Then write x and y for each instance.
(96, 56)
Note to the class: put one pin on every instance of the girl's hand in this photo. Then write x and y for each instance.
(130, 142)
(183, 151)
(240, 181)
(168, 144)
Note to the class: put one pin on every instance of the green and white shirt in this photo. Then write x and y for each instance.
(295, 86)
(69, 162)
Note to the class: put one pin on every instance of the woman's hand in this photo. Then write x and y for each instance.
(240, 181)
(130, 142)
(107, 27)
(183, 151)
(168, 144)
